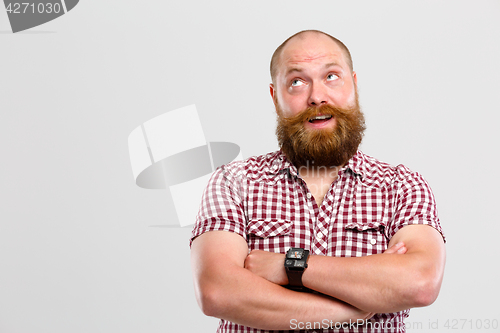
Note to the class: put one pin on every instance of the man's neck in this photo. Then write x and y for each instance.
(318, 180)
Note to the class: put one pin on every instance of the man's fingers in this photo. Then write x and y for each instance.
(398, 248)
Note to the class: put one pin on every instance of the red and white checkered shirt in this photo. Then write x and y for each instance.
(265, 201)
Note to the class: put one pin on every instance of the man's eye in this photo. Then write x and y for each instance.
(332, 77)
(297, 82)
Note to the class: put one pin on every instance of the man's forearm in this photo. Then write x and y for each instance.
(225, 289)
(382, 282)
(250, 300)
(379, 283)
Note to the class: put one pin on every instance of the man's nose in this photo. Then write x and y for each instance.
(317, 95)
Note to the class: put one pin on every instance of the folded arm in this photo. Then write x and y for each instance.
(225, 289)
(378, 283)
(385, 283)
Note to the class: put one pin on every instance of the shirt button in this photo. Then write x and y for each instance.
(373, 241)
(319, 235)
(308, 195)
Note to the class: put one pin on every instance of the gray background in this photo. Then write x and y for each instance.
(83, 249)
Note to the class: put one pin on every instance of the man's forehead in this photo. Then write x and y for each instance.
(324, 59)
(317, 49)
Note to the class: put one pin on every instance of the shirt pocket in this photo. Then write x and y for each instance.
(269, 235)
(363, 239)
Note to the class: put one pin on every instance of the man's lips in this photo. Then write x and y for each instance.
(321, 121)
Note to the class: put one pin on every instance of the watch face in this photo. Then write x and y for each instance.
(295, 264)
(294, 253)
(299, 263)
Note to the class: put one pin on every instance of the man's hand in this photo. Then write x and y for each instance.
(270, 265)
(398, 248)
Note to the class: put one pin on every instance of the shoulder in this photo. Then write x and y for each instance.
(378, 173)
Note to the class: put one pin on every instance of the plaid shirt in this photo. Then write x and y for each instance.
(264, 200)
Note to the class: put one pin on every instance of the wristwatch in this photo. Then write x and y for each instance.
(295, 265)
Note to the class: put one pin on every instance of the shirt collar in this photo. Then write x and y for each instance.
(281, 163)
(355, 164)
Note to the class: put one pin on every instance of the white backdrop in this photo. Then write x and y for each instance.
(83, 249)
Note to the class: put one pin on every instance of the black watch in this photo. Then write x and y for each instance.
(295, 265)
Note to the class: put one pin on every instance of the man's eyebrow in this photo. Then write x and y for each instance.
(332, 64)
(294, 69)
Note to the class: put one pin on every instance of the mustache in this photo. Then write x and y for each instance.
(322, 110)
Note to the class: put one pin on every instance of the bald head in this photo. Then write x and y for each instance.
(276, 58)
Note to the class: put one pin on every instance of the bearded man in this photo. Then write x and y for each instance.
(317, 236)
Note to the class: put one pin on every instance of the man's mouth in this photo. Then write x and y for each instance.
(320, 119)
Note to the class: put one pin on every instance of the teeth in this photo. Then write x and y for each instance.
(320, 118)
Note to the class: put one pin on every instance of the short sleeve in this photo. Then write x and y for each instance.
(221, 205)
(414, 203)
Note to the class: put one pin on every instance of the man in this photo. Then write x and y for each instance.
(376, 246)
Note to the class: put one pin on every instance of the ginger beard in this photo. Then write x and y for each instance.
(328, 147)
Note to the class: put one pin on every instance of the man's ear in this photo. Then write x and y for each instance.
(355, 78)
(273, 93)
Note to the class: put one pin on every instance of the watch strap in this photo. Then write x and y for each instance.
(295, 278)
(295, 274)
